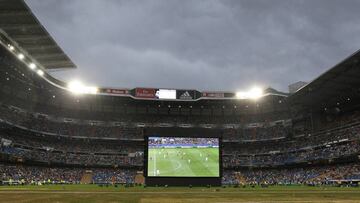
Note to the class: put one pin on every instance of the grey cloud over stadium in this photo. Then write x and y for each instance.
(204, 45)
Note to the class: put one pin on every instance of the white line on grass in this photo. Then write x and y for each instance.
(155, 165)
(174, 192)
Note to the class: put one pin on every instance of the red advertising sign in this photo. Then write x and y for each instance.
(145, 92)
(117, 91)
(213, 94)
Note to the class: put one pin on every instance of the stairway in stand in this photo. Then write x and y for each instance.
(87, 177)
(240, 178)
(322, 176)
(139, 178)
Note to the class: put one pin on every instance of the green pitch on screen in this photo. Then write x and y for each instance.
(183, 162)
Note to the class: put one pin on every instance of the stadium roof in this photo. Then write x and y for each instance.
(334, 87)
(21, 25)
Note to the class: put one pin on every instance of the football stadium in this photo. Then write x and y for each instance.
(72, 142)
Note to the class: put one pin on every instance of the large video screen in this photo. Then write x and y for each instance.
(183, 157)
(165, 94)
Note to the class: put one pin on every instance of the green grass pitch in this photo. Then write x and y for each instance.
(183, 162)
(121, 194)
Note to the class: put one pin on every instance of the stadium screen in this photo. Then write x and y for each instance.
(165, 94)
(183, 157)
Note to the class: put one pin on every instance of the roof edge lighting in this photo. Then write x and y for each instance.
(254, 93)
(78, 87)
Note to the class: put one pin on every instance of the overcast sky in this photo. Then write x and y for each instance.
(201, 44)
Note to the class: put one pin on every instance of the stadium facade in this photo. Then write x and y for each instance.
(51, 133)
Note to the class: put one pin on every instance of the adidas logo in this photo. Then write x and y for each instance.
(186, 95)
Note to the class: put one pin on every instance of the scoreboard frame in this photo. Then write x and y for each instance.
(181, 181)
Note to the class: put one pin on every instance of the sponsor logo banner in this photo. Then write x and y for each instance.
(117, 91)
(214, 94)
(186, 94)
(145, 93)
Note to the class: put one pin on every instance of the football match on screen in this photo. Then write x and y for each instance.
(183, 157)
(173, 101)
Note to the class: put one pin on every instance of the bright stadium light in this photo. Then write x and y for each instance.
(40, 72)
(32, 66)
(78, 87)
(21, 56)
(254, 93)
(241, 95)
(92, 90)
(11, 47)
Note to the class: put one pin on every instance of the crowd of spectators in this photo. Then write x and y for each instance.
(318, 175)
(113, 176)
(72, 158)
(39, 175)
(295, 143)
(108, 153)
(338, 143)
(309, 155)
(62, 150)
(85, 128)
(82, 159)
(28, 139)
(67, 127)
(327, 145)
(257, 133)
(20, 174)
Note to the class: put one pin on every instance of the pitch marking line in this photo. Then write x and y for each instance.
(164, 192)
(155, 165)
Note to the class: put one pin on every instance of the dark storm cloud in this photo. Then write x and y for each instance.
(205, 45)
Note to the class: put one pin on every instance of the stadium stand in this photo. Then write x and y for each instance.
(50, 136)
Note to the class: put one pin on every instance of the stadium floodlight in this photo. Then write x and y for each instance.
(40, 72)
(241, 95)
(21, 56)
(93, 90)
(254, 93)
(32, 66)
(78, 87)
(11, 47)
